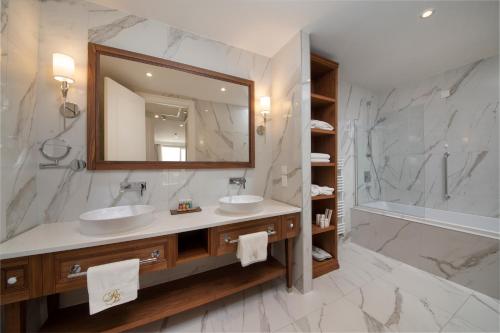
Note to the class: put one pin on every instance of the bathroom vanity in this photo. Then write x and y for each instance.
(53, 258)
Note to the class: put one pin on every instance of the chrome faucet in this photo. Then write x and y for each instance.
(240, 181)
(133, 187)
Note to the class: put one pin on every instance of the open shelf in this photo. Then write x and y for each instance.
(322, 164)
(323, 197)
(317, 131)
(317, 230)
(323, 267)
(165, 300)
(320, 100)
(192, 245)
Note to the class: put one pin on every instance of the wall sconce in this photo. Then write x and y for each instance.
(63, 70)
(265, 111)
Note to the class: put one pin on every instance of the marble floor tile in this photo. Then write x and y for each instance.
(340, 316)
(481, 311)
(397, 309)
(459, 325)
(372, 263)
(369, 293)
(428, 287)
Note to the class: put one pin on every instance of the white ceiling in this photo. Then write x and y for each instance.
(378, 43)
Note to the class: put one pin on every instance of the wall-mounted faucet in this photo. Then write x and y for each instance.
(240, 181)
(133, 187)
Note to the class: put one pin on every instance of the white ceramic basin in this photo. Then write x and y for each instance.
(113, 220)
(241, 204)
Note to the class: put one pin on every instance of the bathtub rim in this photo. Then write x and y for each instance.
(431, 222)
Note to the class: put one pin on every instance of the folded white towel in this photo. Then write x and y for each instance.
(320, 160)
(112, 284)
(321, 125)
(320, 155)
(252, 248)
(321, 190)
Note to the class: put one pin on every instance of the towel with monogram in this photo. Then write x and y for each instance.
(112, 284)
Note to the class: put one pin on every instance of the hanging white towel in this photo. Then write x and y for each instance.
(112, 284)
(252, 248)
(321, 125)
(321, 190)
(320, 156)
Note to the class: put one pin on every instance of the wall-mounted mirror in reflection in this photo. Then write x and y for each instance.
(147, 112)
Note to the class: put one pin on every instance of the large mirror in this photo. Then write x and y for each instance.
(147, 112)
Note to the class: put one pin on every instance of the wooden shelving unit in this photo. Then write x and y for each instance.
(166, 299)
(324, 85)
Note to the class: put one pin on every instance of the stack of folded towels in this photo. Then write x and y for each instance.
(321, 125)
(320, 157)
(321, 190)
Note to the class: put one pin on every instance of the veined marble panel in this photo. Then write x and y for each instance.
(356, 104)
(412, 128)
(470, 260)
(19, 75)
(67, 27)
(290, 127)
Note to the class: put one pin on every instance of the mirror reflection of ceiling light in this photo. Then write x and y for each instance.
(223, 89)
(427, 13)
(148, 74)
(206, 110)
(157, 116)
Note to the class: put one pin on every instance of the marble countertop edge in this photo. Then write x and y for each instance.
(64, 236)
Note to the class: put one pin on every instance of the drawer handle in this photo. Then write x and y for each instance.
(228, 240)
(291, 225)
(76, 269)
(12, 280)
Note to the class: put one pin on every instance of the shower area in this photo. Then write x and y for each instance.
(427, 175)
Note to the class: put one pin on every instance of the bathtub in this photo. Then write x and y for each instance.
(474, 224)
(459, 247)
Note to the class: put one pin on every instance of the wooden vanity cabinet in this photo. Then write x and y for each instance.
(52, 273)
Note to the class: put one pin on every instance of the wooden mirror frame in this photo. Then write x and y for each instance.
(93, 113)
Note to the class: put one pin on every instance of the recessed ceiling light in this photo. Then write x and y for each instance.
(157, 116)
(427, 13)
(148, 74)
(223, 89)
(206, 110)
(181, 125)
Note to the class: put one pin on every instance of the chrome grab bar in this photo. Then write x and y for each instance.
(76, 269)
(228, 240)
(445, 160)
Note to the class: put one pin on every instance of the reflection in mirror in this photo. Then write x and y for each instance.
(154, 113)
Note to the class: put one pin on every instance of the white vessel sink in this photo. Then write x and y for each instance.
(113, 220)
(242, 204)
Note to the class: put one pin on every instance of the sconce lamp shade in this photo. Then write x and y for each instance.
(63, 67)
(265, 105)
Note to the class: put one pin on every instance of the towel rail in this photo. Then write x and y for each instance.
(228, 239)
(76, 269)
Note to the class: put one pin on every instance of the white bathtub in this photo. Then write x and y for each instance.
(473, 224)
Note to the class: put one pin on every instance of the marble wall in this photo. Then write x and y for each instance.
(467, 259)
(356, 104)
(290, 127)
(67, 27)
(413, 125)
(19, 86)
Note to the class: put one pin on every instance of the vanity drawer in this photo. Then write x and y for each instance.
(20, 279)
(222, 236)
(290, 225)
(155, 254)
